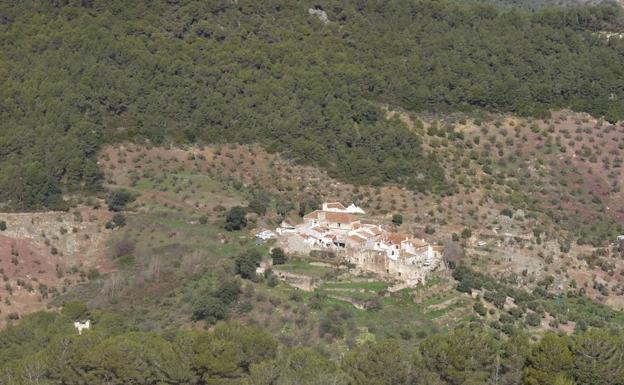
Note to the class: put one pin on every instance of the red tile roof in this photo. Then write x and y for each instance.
(340, 217)
(395, 238)
(332, 216)
(419, 243)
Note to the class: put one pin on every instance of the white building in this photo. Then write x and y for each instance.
(337, 207)
(80, 326)
(265, 235)
(368, 245)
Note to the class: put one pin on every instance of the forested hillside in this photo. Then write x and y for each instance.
(44, 350)
(539, 4)
(77, 74)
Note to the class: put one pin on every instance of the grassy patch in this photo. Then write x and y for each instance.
(371, 286)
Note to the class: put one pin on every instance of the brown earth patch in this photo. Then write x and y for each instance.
(42, 254)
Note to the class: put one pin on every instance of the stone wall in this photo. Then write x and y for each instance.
(299, 281)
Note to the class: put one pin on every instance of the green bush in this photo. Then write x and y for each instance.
(93, 273)
(75, 310)
(507, 212)
(236, 218)
(210, 309)
(258, 204)
(480, 309)
(533, 319)
(118, 200)
(247, 262)
(118, 220)
(228, 291)
(278, 256)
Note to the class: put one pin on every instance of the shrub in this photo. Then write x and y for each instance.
(247, 262)
(118, 220)
(124, 247)
(278, 256)
(328, 326)
(258, 205)
(565, 246)
(93, 273)
(75, 310)
(496, 298)
(235, 218)
(302, 209)
(397, 219)
(125, 261)
(209, 308)
(118, 200)
(406, 334)
(295, 296)
(533, 319)
(228, 291)
(480, 309)
(581, 325)
(284, 207)
(272, 281)
(3, 225)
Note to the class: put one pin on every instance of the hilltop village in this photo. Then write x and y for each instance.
(364, 243)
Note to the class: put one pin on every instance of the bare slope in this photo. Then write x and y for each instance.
(43, 254)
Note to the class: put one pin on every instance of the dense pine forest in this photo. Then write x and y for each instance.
(77, 74)
(44, 349)
(539, 4)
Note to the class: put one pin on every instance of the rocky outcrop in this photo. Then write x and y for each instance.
(318, 12)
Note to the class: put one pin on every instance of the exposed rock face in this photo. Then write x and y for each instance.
(318, 12)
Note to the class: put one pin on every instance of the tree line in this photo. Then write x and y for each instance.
(46, 349)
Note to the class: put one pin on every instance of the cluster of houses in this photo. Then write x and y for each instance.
(366, 244)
